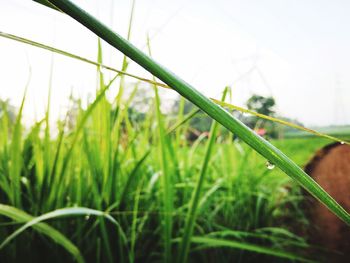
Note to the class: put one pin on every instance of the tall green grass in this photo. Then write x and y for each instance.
(111, 188)
(238, 201)
(132, 191)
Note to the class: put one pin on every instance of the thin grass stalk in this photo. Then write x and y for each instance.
(16, 159)
(166, 182)
(192, 211)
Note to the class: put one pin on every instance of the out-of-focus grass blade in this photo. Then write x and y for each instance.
(71, 211)
(21, 216)
(267, 150)
(16, 158)
(167, 183)
(79, 128)
(215, 242)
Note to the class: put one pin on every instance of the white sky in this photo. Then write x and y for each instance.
(297, 51)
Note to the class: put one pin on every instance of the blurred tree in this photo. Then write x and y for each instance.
(262, 105)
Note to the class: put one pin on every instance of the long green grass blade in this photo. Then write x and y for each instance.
(215, 242)
(263, 147)
(71, 211)
(21, 216)
(16, 158)
(167, 189)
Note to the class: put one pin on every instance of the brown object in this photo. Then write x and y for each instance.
(330, 168)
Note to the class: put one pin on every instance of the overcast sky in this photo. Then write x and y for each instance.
(297, 51)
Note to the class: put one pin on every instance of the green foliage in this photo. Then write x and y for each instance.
(125, 181)
(216, 202)
(261, 104)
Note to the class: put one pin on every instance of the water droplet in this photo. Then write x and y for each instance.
(87, 217)
(269, 165)
(342, 142)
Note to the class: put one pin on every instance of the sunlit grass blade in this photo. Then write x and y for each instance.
(263, 147)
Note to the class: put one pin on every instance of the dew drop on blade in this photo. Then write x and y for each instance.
(342, 142)
(269, 165)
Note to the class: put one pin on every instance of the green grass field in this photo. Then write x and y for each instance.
(109, 162)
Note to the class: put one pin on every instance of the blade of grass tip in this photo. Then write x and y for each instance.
(102, 125)
(53, 171)
(20, 216)
(48, 4)
(16, 156)
(192, 211)
(263, 147)
(120, 114)
(125, 62)
(167, 189)
(47, 145)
